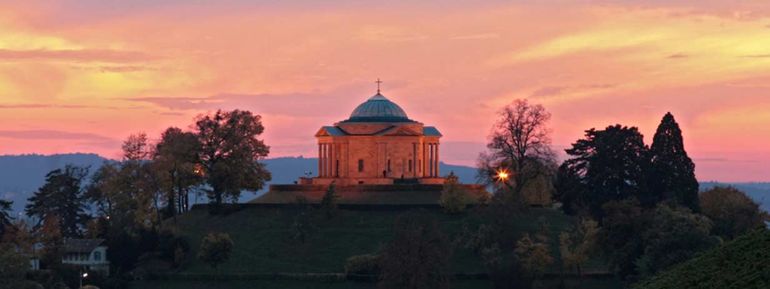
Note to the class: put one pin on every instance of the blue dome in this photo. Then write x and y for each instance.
(378, 109)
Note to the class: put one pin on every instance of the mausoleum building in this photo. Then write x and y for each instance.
(378, 144)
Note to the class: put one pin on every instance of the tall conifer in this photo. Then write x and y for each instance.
(673, 172)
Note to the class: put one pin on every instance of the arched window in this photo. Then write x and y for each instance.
(410, 166)
(97, 256)
(360, 166)
(389, 165)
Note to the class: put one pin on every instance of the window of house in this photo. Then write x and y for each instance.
(389, 166)
(97, 256)
(360, 166)
(410, 166)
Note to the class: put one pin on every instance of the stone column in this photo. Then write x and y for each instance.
(429, 160)
(323, 160)
(438, 173)
(319, 160)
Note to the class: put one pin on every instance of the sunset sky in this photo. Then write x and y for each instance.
(80, 76)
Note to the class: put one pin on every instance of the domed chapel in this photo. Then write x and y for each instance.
(378, 144)
(377, 156)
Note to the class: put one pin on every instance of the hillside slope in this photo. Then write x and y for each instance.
(264, 237)
(743, 263)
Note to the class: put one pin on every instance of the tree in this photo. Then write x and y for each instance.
(675, 235)
(731, 211)
(231, 153)
(13, 265)
(620, 236)
(215, 249)
(577, 244)
(417, 256)
(329, 202)
(534, 255)
(6, 225)
(571, 190)
(519, 145)
(610, 164)
(454, 198)
(672, 171)
(175, 159)
(61, 198)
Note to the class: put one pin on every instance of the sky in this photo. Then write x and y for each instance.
(80, 76)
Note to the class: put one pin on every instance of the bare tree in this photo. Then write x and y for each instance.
(520, 146)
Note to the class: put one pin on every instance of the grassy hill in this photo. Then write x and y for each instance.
(743, 263)
(263, 245)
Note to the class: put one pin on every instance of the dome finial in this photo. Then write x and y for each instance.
(378, 84)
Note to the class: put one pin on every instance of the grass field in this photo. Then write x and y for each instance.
(263, 243)
(264, 284)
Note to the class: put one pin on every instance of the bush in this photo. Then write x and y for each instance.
(215, 249)
(172, 247)
(367, 264)
(454, 199)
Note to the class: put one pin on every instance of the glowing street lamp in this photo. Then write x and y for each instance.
(83, 275)
(502, 175)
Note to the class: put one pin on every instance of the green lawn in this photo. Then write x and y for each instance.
(283, 284)
(264, 244)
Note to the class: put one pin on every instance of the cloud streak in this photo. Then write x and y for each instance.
(76, 55)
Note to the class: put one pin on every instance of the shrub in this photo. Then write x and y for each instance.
(215, 249)
(329, 202)
(454, 199)
(367, 264)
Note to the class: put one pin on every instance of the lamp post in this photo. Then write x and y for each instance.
(82, 276)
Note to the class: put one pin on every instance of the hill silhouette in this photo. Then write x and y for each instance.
(22, 175)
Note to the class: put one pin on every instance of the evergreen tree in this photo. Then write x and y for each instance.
(5, 217)
(611, 164)
(61, 198)
(673, 172)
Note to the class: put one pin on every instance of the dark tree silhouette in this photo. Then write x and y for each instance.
(175, 160)
(231, 153)
(417, 256)
(5, 218)
(612, 164)
(61, 198)
(673, 172)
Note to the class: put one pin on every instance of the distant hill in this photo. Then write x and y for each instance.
(21, 175)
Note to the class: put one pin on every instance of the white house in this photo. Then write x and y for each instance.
(90, 254)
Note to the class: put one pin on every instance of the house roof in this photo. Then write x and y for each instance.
(81, 245)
